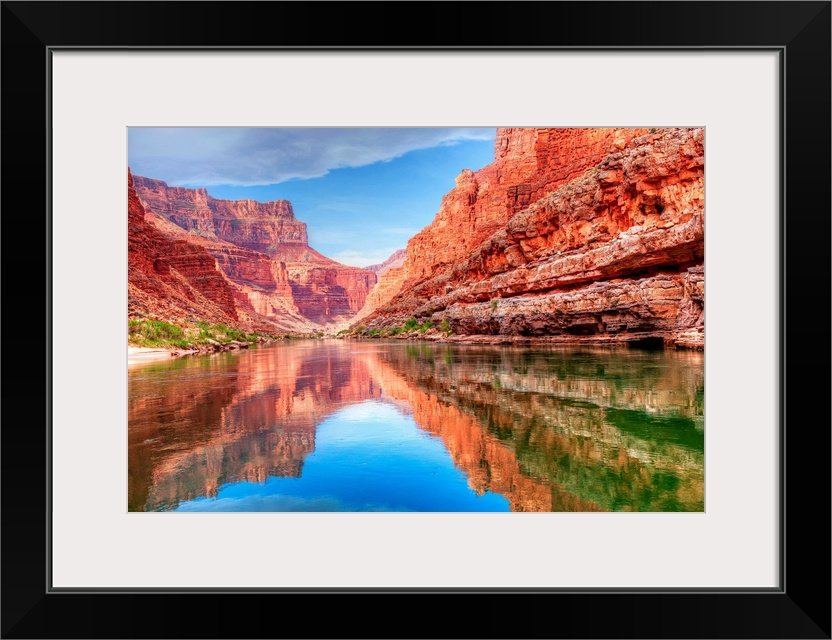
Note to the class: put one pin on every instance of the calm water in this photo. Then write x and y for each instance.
(376, 426)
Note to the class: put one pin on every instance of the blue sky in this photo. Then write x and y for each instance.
(362, 192)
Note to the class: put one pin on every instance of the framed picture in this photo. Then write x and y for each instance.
(753, 77)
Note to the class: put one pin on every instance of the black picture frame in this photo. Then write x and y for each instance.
(799, 31)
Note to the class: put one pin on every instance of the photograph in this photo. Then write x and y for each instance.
(388, 279)
(416, 319)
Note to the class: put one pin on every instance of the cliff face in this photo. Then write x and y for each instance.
(260, 226)
(263, 251)
(171, 278)
(259, 284)
(395, 260)
(390, 274)
(528, 164)
(603, 240)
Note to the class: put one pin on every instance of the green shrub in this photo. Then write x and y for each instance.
(445, 326)
(411, 324)
(494, 303)
(155, 333)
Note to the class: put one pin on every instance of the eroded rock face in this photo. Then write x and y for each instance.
(389, 284)
(395, 260)
(262, 249)
(528, 164)
(607, 244)
(390, 274)
(326, 294)
(260, 283)
(171, 279)
(260, 226)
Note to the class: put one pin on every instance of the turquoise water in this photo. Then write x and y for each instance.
(330, 425)
(368, 457)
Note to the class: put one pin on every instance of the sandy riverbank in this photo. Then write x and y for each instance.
(136, 355)
(145, 354)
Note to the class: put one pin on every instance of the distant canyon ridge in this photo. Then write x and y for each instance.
(572, 235)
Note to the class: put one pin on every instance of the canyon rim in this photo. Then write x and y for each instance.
(481, 319)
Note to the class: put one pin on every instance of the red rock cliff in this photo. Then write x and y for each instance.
(592, 235)
(172, 279)
(528, 164)
(263, 251)
(260, 226)
(396, 259)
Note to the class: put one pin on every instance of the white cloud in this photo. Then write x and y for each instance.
(249, 157)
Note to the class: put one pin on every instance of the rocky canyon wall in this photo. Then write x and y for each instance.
(395, 260)
(171, 278)
(571, 234)
(263, 251)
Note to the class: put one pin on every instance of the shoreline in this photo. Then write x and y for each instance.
(136, 355)
(688, 340)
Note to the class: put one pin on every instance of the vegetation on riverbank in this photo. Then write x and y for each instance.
(201, 336)
(410, 327)
(161, 334)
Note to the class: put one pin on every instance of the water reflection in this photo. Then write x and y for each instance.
(444, 427)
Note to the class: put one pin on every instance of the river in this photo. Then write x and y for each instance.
(332, 425)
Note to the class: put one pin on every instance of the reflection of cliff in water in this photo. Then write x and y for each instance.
(198, 423)
(550, 430)
(599, 429)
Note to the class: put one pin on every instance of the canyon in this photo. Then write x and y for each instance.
(172, 278)
(548, 265)
(259, 250)
(572, 235)
(395, 260)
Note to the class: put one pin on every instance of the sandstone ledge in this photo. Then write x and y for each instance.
(690, 339)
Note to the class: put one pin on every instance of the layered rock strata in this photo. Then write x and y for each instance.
(608, 246)
(260, 288)
(171, 278)
(263, 250)
(527, 164)
(390, 279)
(396, 259)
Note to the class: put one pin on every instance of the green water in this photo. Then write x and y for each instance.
(330, 425)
